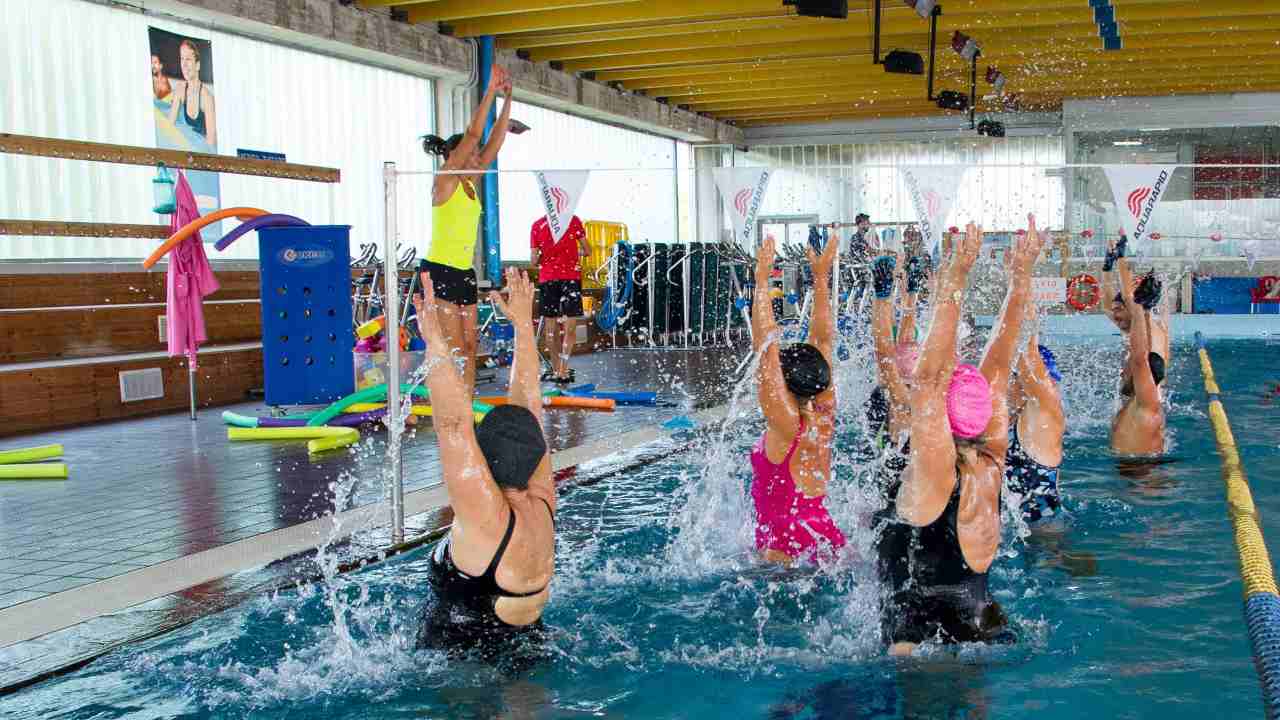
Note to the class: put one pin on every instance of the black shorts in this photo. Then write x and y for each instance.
(560, 298)
(451, 284)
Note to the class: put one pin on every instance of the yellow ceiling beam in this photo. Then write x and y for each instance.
(667, 72)
(666, 75)
(1080, 21)
(880, 81)
(1031, 45)
(796, 106)
(446, 10)
(957, 16)
(634, 12)
(758, 53)
(868, 89)
(1073, 23)
(635, 32)
(862, 72)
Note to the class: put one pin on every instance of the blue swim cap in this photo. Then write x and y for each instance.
(1050, 363)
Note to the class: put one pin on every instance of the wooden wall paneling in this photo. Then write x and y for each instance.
(47, 398)
(62, 334)
(75, 289)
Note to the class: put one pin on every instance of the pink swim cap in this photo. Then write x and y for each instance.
(906, 357)
(968, 402)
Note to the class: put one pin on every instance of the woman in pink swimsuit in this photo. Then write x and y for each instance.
(792, 461)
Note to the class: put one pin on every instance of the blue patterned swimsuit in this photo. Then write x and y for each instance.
(1036, 483)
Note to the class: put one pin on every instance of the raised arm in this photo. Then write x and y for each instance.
(518, 307)
(474, 135)
(498, 134)
(1144, 386)
(1034, 376)
(997, 359)
(781, 415)
(931, 476)
(472, 492)
(822, 329)
(882, 337)
(1108, 289)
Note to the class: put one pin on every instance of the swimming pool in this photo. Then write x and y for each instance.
(1133, 610)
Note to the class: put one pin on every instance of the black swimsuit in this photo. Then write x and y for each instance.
(933, 593)
(461, 615)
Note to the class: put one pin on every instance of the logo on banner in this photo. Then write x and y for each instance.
(932, 202)
(744, 190)
(1136, 198)
(561, 191)
(560, 198)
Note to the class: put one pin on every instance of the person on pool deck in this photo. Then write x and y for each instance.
(1139, 424)
(455, 220)
(1034, 457)
(941, 525)
(559, 270)
(791, 464)
(490, 575)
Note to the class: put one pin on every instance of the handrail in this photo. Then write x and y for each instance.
(134, 155)
(1261, 599)
(62, 228)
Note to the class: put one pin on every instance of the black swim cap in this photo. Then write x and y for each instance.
(512, 443)
(1156, 363)
(805, 371)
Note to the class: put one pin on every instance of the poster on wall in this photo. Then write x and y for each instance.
(185, 109)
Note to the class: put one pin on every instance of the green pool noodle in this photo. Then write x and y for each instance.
(377, 393)
(238, 420)
(44, 452)
(34, 471)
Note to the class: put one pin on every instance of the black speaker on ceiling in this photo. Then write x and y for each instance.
(838, 9)
(952, 100)
(904, 62)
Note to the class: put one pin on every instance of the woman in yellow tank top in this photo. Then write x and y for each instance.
(455, 220)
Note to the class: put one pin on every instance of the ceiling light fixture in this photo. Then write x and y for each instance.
(1127, 143)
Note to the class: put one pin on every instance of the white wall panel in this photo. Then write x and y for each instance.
(80, 70)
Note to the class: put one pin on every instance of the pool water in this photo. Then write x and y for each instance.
(1132, 609)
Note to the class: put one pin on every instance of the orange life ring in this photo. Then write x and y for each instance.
(1083, 291)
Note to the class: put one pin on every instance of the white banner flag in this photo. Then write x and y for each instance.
(1137, 189)
(743, 192)
(561, 190)
(933, 191)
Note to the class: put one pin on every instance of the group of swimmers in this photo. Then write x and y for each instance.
(951, 432)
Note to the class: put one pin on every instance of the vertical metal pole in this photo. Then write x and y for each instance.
(391, 315)
(191, 384)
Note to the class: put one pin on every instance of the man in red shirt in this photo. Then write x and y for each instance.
(560, 289)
